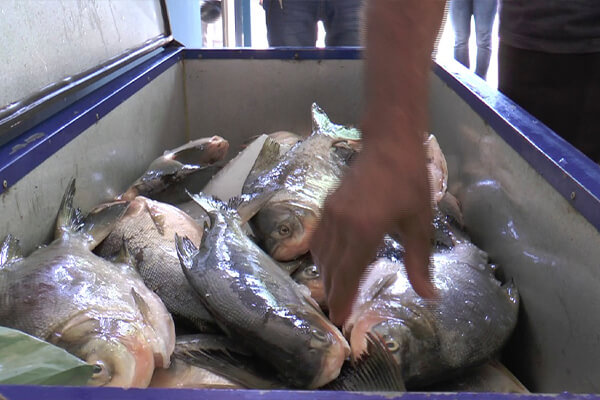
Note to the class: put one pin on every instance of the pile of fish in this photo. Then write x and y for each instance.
(219, 290)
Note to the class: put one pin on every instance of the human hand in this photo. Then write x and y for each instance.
(386, 190)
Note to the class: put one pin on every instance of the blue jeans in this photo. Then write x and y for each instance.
(295, 24)
(484, 12)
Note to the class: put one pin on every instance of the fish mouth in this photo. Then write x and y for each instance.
(217, 149)
(333, 360)
(358, 332)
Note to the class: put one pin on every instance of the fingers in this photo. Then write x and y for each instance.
(417, 244)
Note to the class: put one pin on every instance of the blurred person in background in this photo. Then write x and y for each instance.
(294, 22)
(484, 12)
(549, 63)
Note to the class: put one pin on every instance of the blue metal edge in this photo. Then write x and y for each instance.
(24, 153)
(570, 172)
(64, 392)
(277, 53)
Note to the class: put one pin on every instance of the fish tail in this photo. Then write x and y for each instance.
(68, 218)
(323, 125)
(9, 250)
(98, 224)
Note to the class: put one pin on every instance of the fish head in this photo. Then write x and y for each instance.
(284, 230)
(310, 276)
(376, 322)
(215, 149)
(322, 353)
(116, 347)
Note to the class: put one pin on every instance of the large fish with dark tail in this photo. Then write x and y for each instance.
(296, 185)
(97, 310)
(432, 340)
(257, 304)
(148, 229)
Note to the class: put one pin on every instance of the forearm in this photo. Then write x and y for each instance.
(399, 42)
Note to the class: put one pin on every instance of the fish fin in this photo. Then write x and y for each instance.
(68, 219)
(267, 159)
(124, 256)
(99, 223)
(10, 250)
(142, 306)
(248, 205)
(208, 203)
(323, 125)
(511, 291)
(375, 371)
(158, 219)
(233, 366)
(383, 283)
(185, 251)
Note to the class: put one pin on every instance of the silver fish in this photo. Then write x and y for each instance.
(473, 317)
(257, 303)
(296, 185)
(148, 229)
(97, 310)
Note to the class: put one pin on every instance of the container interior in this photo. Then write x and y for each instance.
(540, 241)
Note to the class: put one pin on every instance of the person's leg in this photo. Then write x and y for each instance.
(484, 12)
(294, 24)
(460, 15)
(561, 90)
(341, 20)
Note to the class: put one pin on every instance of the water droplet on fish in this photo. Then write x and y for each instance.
(207, 295)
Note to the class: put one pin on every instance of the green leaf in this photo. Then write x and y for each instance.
(26, 360)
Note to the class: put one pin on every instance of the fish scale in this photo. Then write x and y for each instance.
(434, 339)
(149, 229)
(257, 304)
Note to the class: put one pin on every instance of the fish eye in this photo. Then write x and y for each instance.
(312, 271)
(101, 374)
(284, 230)
(391, 344)
(319, 335)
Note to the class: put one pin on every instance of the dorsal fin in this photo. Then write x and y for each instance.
(124, 256)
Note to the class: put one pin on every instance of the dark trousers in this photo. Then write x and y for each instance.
(295, 24)
(561, 90)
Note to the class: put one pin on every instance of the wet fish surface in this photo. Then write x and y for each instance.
(97, 310)
(148, 229)
(296, 184)
(431, 339)
(257, 303)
